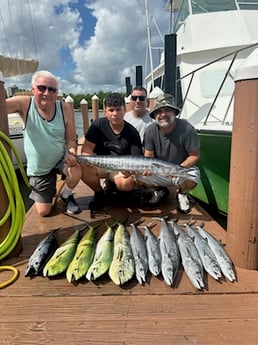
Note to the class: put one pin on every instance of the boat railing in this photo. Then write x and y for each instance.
(193, 73)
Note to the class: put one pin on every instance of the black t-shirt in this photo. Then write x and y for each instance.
(128, 142)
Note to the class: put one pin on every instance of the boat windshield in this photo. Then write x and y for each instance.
(204, 6)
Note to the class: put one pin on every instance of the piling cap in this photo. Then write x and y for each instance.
(162, 101)
(249, 68)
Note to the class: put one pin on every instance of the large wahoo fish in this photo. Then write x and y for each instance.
(139, 164)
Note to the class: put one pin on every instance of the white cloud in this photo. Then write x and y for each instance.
(48, 30)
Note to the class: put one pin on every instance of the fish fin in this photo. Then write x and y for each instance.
(189, 254)
(98, 257)
(60, 251)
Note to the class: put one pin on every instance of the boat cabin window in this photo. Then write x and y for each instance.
(210, 82)
(248, 4)
(205, 6)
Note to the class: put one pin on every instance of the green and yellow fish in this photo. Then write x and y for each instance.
(83, 256)
(122, 267)
(103, 255)
(62, 257)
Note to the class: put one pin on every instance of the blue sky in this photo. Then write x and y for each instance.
(89, 45)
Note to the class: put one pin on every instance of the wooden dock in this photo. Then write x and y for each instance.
(53, 311)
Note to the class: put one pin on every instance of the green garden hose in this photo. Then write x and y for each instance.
(15, 209)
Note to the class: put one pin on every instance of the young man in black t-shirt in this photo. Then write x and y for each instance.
(110, 135)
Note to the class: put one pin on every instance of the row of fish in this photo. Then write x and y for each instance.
(124, 255)
(84, 257)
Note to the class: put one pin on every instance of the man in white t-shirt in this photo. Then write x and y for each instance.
(139, 116)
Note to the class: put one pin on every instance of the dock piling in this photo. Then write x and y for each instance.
(242, 230)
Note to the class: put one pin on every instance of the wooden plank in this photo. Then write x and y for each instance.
(138, 320)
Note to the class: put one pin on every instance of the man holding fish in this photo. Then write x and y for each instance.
(173, 140)
(110, 135)
(49, 130)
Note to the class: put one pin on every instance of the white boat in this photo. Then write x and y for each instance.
(213, 38)
(15, 124)
(13, 67)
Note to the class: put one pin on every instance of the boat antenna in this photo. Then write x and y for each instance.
(171, 17)
(149, 42)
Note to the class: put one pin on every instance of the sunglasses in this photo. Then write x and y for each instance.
(43, 88)
(141, 98)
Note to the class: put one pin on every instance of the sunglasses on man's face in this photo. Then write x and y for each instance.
(43, 88)
(141, 98)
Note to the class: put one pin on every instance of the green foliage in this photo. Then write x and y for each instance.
(88, 97)
(77, 98)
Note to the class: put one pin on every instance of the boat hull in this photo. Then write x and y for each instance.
(214, 166)
(16, 135)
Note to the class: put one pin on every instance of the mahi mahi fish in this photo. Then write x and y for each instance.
(138, 164)
(153, 251)
(83, 256)
(170, 256)
(209, 260)
(191, 260)
(220, 253)
(139, 250)
(103, 255)
(62, 257)
(122, 267)
(41, 254)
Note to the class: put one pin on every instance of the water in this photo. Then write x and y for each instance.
(79, 121)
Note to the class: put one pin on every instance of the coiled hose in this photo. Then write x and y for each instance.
(16, 209)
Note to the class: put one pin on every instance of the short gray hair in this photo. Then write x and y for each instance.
(45, 74)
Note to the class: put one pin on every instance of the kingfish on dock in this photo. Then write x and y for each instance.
(209, 260)
(153, 251)
(220, 253)
(170, 256)
(139, 251)
(191, 260)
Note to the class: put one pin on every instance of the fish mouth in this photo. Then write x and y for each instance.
(30, 271)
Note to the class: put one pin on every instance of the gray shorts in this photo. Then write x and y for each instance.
(43, 188)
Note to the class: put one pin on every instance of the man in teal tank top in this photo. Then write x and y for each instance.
(49, 132)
